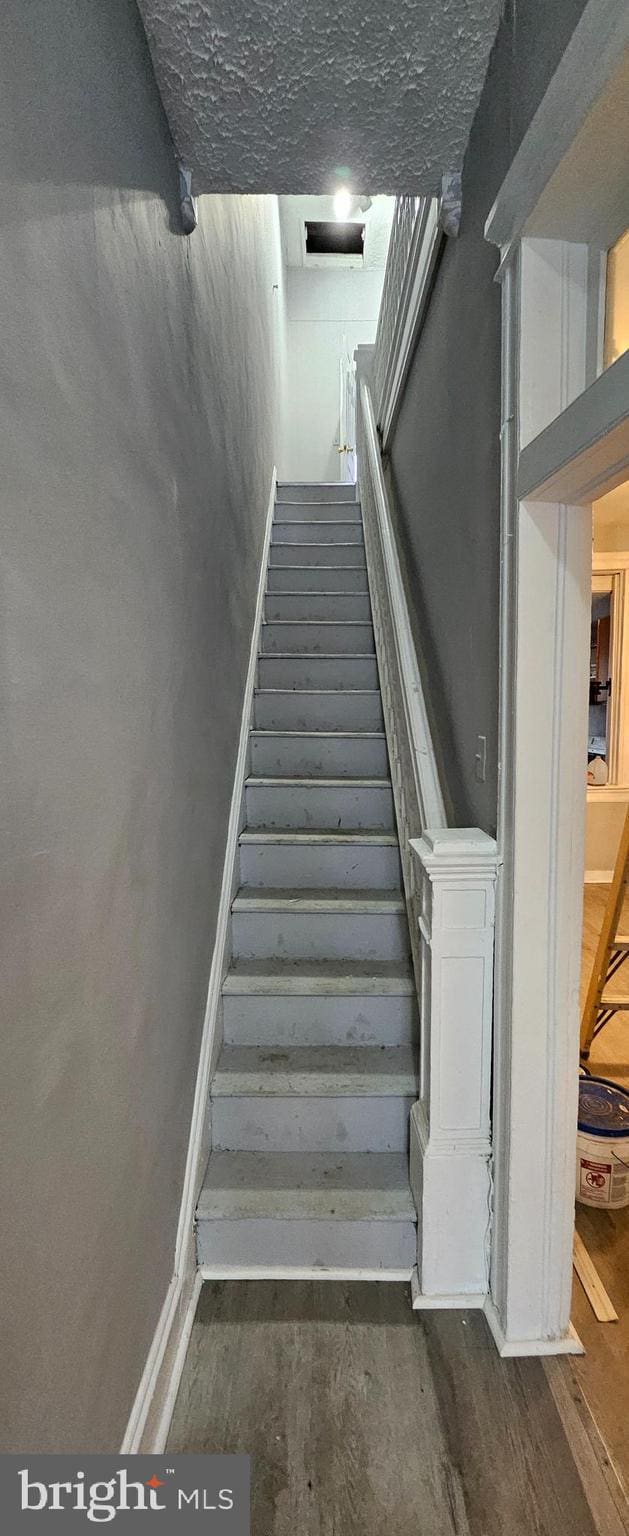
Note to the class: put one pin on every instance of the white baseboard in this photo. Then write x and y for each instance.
(473, 1299)
(568, 1344)
(598, 876)
(305, 1272)
(152, 1410)
(150, 1417)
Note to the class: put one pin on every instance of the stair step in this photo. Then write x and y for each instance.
(363, 1186)
(361, 860)
(317, 605)
(317, 578)
(330, 1003)
(317, 1099)
(290, 552)
(338, 754)
(316, 636)
(314, 1209)
(318, 531)
(315, 1071)
(307, 511)
(318, 709)
(347, 804)
(317, 670)
(314, 491)
(319, 924)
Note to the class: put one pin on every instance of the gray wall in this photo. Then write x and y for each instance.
(139, 380)
(445, 455)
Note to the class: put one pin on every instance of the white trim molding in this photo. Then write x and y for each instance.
(510, 1349)
(449, 880)
(149, 1422)
(562, 443)
(584, 451)
(417, 792)
(546, 567)
(416, 239)
(596, 50)
(450, 1124)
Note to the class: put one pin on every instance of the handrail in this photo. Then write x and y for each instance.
(422, 753)
(417, 235)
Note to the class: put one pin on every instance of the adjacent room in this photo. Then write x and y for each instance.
(601, 1303)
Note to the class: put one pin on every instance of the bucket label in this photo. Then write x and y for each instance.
(596, 1179)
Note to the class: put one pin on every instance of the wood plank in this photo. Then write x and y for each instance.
(602, 1307)
(601, 1483)
(609, 928)
(363, 1417)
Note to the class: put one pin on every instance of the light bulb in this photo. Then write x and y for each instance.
(342, 203)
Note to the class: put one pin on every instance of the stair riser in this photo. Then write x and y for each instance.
(319, 936)
(314, 578)
(322, 1245)
(307, 511)
(312, 1021)
(299, 866)
(316, 638)
(317, 533)
(291, 553)
(317, 605)
(274, 1123)
(311, 757)
(294, 711)
(303, 490)
(344, 807)
(317, 672)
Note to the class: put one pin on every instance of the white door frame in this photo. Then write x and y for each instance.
(562, 443)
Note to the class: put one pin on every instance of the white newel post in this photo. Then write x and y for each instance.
(455, 870)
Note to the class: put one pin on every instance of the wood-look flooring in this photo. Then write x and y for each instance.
(602, 1374)
(362, 1416)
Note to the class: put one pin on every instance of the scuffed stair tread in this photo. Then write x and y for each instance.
(303, 978)
(310, 1186)
(302, 592)
(299, 899)
(318, 735)
(329, 835)
(318, 656)
(315, 1071)
(255, 778)
(330, 567)
(316, 692)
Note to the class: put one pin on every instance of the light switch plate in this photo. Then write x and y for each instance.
(481, 759)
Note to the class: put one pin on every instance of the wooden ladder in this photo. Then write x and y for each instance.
(611, 952)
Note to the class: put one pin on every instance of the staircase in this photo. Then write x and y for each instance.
(317, 1072)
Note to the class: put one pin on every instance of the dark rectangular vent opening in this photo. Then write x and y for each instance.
(334, 238)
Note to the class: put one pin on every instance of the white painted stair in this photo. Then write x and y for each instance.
(317, 1072)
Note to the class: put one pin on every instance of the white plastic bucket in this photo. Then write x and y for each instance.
(603, 1144)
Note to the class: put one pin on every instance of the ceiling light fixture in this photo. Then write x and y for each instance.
(342, 203)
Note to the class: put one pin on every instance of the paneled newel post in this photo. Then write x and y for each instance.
(455, 876)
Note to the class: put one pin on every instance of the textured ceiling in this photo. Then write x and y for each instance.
(293, 95)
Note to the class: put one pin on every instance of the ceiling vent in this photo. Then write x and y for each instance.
(334, 243)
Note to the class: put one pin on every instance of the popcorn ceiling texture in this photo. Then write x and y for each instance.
(276, 95)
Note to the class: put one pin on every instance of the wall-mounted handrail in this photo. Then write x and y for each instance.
(449, 876)
(417, 235)
(426, 774)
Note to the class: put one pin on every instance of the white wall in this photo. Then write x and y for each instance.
(325, 312)
(139, 413)
(603, 827)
